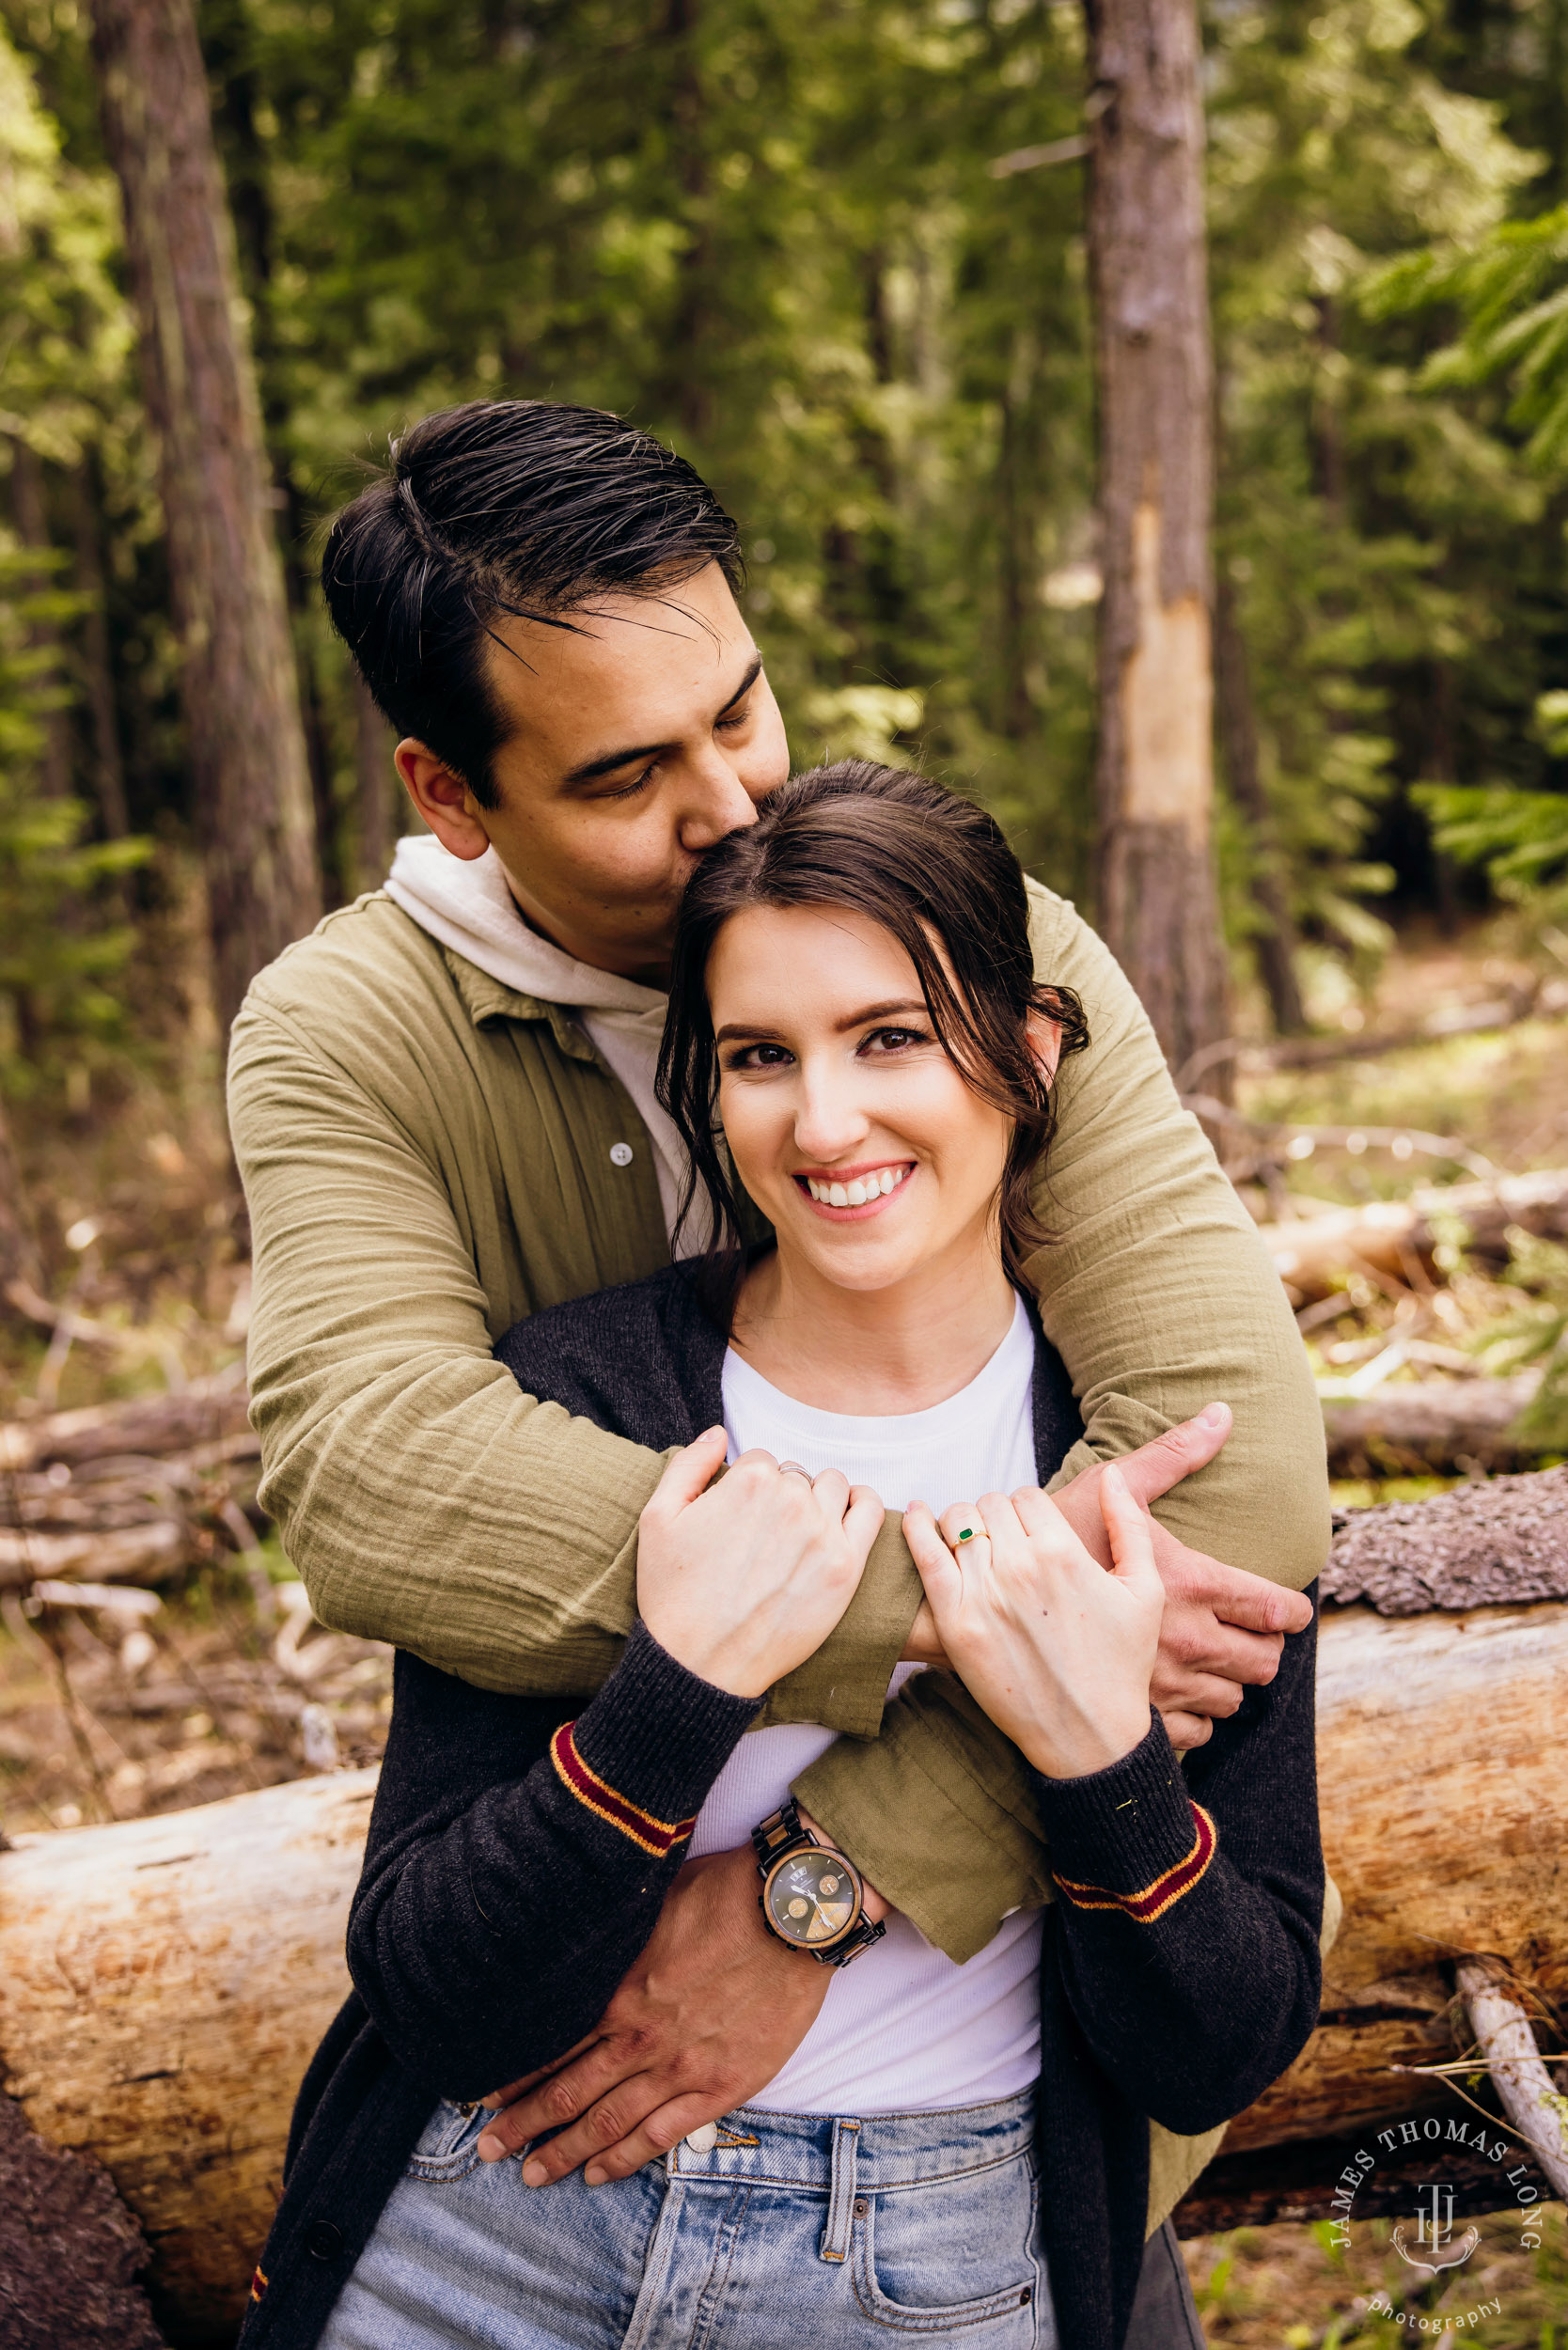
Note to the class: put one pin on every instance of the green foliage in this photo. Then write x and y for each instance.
(776, 235)
(1379, 539)
(1536, 1334)
(57, 950)
(1510, 293)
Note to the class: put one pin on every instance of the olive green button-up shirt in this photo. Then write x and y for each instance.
(428, 1155)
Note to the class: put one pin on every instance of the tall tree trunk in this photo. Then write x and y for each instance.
(237, 681)
(108, 767)
(1158, 898)
(1274, 946)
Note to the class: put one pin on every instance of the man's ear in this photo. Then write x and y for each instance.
(1045, 1044)
(443, 799)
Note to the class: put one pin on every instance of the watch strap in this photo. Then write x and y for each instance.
(861, 1939)
(780, 1832)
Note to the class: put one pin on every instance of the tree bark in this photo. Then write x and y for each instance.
(1158, 898)
(237, 681)
(1274, 946)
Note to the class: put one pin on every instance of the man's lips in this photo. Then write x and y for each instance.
(846, 1193)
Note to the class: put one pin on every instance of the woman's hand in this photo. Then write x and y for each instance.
(744, 1582)
(1058, 1651)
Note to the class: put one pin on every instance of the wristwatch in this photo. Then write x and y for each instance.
(813, 1898)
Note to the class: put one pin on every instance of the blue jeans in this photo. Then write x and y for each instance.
(792, 2228)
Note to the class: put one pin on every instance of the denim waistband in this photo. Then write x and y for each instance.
(881, 2153)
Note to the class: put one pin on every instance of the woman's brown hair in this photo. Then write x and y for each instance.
(936, 871)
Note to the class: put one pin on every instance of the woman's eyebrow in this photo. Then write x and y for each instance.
(759, 1033)
(882, 1011)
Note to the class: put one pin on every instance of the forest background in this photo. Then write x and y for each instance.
(836, 253)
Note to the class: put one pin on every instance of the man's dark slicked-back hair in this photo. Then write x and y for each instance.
(527, 507)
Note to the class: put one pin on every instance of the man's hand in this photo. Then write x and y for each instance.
(1223, 1628)
(709, 2012)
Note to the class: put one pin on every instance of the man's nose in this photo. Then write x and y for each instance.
(718, 803)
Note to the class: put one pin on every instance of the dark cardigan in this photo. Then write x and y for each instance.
(514, 1871)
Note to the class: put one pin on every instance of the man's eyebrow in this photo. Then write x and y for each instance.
(592, 768)
(760, 1035)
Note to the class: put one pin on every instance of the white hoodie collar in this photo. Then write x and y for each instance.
(468, 906)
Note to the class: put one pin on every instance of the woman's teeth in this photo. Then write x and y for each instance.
(856, 1194)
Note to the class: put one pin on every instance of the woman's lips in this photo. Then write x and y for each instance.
(844, 1198)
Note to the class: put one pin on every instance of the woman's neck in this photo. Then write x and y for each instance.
(873, 1353)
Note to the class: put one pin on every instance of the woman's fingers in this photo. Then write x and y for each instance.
(935, 1562)
(690, 1473)
(863, 1520)
(1131, 1548)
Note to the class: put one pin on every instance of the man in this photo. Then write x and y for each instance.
(442, 1105)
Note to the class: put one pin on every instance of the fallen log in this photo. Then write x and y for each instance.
(163, 1982)
(147, 1425)
(1441, 1424)
(1501, 1542)
(163, 1985)
(1313, 1257)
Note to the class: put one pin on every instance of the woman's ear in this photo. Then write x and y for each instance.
(1045, 1044)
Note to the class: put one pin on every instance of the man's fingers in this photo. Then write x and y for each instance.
(1247, 1600)
(1155, 1466)
(1186, 1730)
(1209, 1696)
(658, 2133)
(555, 2100)
(690, 1473)
(605, 2124)
(1198, 1645)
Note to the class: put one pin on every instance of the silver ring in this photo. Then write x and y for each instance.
(792, 1468)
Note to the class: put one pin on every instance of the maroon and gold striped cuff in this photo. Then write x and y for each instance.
(1167, 1890)
(658, 1837)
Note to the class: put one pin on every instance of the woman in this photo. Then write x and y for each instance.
(959, 2153)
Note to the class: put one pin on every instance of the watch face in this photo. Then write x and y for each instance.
(811, 1898)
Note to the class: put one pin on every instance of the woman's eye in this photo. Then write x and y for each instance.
(757, 1056)
(893, 1039)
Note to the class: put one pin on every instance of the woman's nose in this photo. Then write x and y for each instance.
(829, 1118)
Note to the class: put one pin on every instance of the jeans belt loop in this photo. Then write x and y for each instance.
(840, 2197)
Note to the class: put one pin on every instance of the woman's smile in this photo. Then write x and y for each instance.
(846, 1192)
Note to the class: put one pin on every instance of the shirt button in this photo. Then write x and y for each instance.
(704, 2141)
(322, 2241)
(620, 1154)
